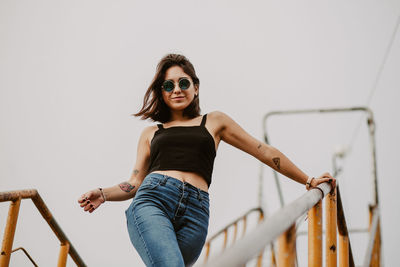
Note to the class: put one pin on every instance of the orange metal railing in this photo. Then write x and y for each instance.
(15, 198)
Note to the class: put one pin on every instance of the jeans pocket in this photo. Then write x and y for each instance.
(149, 184)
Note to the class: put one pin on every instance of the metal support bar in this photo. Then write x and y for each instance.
(233, 224)
(287, 247)
(345, 253)
(225, 238)
(343, 250)
(9, 232)
(208, 244)
(330, 238)
(315, 235)
(62, 258)
(26, 254)
(252, 244)
(372, 237)
(371, 129)
(260, 257)
(46, 214)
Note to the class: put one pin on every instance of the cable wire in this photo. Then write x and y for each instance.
(376, 81)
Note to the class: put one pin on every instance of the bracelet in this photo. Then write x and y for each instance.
(102, 194)
(308, 183)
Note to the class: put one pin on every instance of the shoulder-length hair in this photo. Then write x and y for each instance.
(154, 107)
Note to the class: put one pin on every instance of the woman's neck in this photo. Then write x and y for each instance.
(178, 116)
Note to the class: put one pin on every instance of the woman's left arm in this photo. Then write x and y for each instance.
(236, 136)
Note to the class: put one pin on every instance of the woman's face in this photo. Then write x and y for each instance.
(178, 99)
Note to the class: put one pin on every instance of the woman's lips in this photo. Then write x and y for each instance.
(178, 98)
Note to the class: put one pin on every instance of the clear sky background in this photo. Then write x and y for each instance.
(72, 72)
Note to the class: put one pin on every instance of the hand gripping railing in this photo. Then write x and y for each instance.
(282, 225)
(15, 198)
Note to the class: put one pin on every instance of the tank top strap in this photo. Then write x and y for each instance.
(160, 126)
(203, 120)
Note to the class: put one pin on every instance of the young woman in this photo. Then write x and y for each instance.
(168, 218)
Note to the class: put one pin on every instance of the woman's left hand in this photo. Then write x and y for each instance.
(91, 200)
(326, 177)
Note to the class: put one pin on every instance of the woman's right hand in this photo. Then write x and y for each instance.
(91, 200)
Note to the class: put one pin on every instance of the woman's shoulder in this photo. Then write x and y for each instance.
(217, 116)
(148, 131)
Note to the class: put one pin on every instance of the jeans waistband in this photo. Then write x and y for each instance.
(165, 179)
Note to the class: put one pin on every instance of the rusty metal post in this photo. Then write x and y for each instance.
(235, 229)
(376, 251)
(345, 254)
(315, 235)
(62, 258)
(244, 225)
(207, 251)
(330, 241)
(273, 258)
(260, 257)
(9, 232)
(287, 247)
(343, 251)
(225, 238)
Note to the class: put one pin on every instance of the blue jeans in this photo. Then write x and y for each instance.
(168, 221)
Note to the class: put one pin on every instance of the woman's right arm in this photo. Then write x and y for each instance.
(125, 190)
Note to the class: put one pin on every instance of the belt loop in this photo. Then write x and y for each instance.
(199, 194)
(164, 180)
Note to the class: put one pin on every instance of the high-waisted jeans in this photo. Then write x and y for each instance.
(168, 221)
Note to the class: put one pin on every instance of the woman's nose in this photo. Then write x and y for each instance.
(177, 89)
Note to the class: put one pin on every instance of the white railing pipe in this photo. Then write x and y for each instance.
(254, 242)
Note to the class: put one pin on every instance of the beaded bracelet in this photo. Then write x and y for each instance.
(308, 184)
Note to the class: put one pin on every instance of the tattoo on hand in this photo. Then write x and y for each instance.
(135, 172)
(126, 187)
(277, 162)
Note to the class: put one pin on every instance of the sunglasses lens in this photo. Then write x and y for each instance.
(184, 84)
(168, 86)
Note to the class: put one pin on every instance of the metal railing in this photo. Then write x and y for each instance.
(15, 198)
(371, 132)
(281, 225)
(228, 229)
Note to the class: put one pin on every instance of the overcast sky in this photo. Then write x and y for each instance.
(72, 73)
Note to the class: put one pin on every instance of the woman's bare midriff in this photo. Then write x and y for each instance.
(188, 177)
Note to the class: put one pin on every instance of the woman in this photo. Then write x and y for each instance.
(168, 218)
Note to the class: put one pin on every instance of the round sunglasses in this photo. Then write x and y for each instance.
(169, 85)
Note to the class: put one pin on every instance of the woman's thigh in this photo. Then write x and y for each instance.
(192, 235)
(153, 236)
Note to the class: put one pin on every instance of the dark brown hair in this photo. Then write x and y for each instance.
(154, 107)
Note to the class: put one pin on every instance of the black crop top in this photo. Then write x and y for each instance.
(183, 148)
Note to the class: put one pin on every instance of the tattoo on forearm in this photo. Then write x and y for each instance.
(259, 146)
(126, 187)
(135, 172)
(277, 162)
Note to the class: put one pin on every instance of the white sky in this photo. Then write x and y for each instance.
(72, 72)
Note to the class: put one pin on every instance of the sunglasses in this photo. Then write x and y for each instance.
(169, 85)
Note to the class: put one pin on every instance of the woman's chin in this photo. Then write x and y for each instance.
(178, 107)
